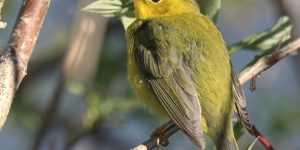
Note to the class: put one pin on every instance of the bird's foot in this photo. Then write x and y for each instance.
(160, 137)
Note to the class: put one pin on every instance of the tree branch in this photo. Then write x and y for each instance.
(266, 62)
(261, 65)
(14, 59)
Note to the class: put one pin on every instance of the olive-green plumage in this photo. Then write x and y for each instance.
(179, 66)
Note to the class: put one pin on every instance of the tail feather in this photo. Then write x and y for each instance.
(227, 144)
(225, 138)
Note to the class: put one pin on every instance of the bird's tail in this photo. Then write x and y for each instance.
(227, 143)
(225, 139)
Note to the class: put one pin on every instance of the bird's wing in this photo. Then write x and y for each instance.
(240, 102)
(168, 76)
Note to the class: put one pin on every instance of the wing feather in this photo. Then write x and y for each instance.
(240, 103)
(180, 107)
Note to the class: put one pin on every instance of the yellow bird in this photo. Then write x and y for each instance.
(179, 66)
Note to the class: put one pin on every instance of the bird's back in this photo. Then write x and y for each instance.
(204, 54)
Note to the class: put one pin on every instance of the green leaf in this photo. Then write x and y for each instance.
(126, 21)
(250, 147)
(269, 39)
(210, 8)
(238, 129)
(113, 8)
(107, 8)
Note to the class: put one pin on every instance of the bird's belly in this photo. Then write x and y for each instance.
(215, 94)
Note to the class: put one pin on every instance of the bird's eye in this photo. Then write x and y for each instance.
(155, 1)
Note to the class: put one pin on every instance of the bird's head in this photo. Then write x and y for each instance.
(145, 9)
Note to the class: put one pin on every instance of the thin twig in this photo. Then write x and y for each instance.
(50, 113)
(2, 24)
(286, 8)
(1, 5)
(253, 84)
(261, 65)
(14, 59)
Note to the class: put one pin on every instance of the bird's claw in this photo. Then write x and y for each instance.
(164, 142)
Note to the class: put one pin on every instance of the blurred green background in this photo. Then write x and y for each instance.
(78, 68)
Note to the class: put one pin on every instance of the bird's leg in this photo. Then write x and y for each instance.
(159, 134)
(162, 133)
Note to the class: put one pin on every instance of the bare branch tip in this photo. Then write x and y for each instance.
(140, 147)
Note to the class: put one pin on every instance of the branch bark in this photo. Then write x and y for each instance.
(15, 57)
(266, 62)
(261, 65)
(290, 8)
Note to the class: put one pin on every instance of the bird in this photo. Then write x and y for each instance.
(179, 67)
